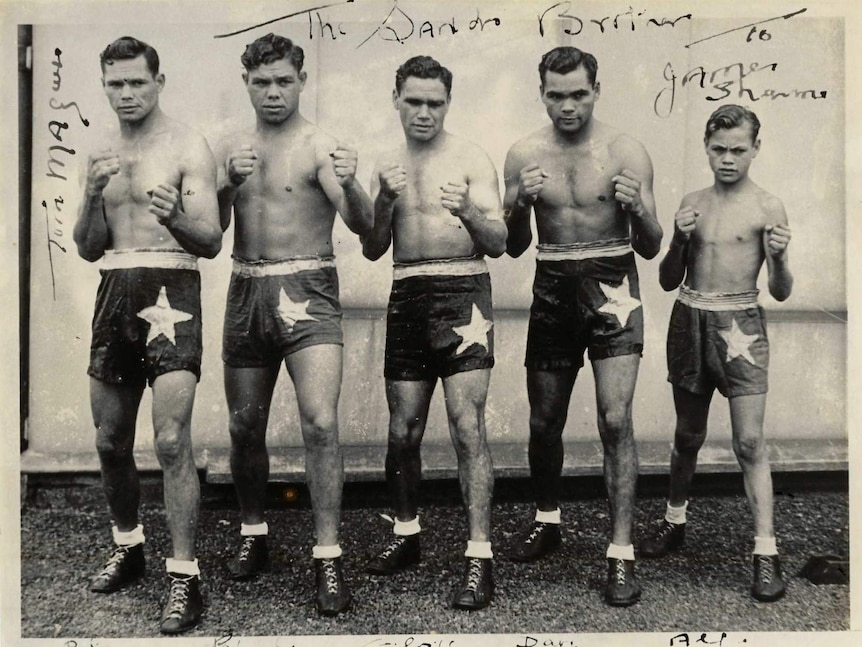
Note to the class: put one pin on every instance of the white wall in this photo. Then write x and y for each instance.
(495, 102)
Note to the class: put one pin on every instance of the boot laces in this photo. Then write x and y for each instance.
(114, 561)
(245, 548)
(392, 547)
(535, 532)
(474, 574)
(178, 596)
(621, 572)
(330, 574)
(765, 564)
(665, 529)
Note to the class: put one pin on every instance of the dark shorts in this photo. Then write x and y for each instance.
(275, 308)
(584, 301)
(718, 341)
(147, 319)
(440, 320)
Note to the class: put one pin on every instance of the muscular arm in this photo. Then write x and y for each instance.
(482, 212)
(517, 208)
(91, 233)
(226, 190)
(377, 240)
(646, 233)
(344, 192)
(671, 270)
(775, 240)
(195, 221)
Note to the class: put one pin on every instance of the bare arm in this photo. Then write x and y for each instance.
(337, 175)
(193, 217)
(387, 183)
(91, 234)
(522, 186)
(477, 204)
(776, 237)
(233, 166)
(635, 193)
(672, 269)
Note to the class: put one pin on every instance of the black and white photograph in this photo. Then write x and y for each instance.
(432, 323)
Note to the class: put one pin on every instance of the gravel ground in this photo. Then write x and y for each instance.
(65, 539)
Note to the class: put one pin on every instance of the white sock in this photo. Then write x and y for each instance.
(676, 515)
(765, 546)
(552, 516)
(621, 552)
(182, 566)
(407, 528)
(480, 549)
(130, 537)
(254, 529)
(326, 552)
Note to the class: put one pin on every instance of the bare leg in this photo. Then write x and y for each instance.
(615, 384)
(692, 411)
(173, 399)
(316, 375)
(115, 411)
(408, 414)
(746, 418)
(465, 405)
(549, 393)
(249, 395)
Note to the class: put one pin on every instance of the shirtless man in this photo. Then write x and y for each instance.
(149, 210)
(717, 335)
(436, 199)
(284, 181)
(590, 186)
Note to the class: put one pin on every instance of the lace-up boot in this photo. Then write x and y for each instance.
(541, 539)
(622, 589)
(768, 585)
(251, 559)
(667, 537)
(184, 606)
(402, 551)
(333, 596)
(477, 588)
(125, 565)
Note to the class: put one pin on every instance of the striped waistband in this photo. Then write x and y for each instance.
(717, 301)
(283, 267)
(156, 257)
(583, 251)
(442, 267)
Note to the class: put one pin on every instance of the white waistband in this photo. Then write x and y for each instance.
(282, 267)
(443, 267)
(583, 251)
(718, 301)
(157, 257)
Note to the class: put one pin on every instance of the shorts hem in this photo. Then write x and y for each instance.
(470, 365)
(294, 348)
(628, 349)
(534, 364)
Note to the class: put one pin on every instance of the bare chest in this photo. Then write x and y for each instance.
(579, 181)
(142, 168)
(425, 181)
(282, 171)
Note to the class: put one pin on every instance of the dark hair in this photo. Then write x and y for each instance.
(270, 48)
(423, 67)
(127, 48)
(731, 116)
(563, 60)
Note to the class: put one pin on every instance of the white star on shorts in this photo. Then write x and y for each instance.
(738, 343)
(620, 303)
(163, 318)
(293, 311)
(475, 332)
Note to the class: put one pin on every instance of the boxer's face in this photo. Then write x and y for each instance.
(422, 105)
(274, 90)
(731, 151)
(569, 99)
(131, 88)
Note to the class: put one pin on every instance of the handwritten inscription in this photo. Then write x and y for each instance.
(575, 25)
(58, 154)
(410, 641)
(530, 641)
(727, 82)
(683, 640)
